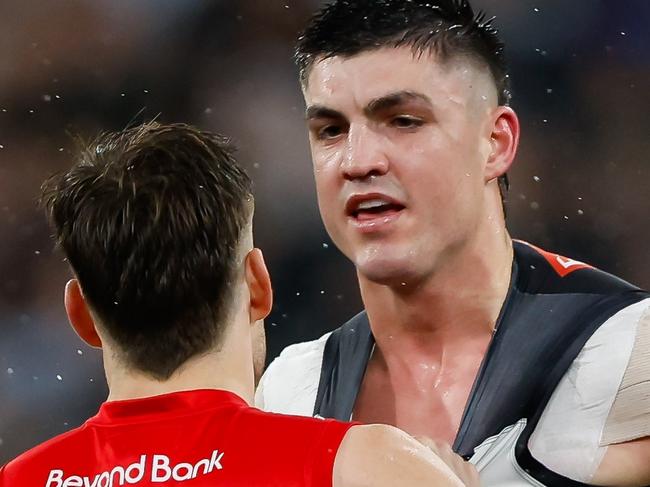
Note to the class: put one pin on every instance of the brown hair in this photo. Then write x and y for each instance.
(150, 219)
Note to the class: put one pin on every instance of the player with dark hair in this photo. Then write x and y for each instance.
(156, 224)
(533, 364)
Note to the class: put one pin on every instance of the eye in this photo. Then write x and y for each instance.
(406, 122)
(329, 132)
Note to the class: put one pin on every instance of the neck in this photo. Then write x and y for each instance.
(457, 304)
(212, 370)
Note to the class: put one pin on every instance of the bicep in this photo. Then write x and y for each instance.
(625, 464)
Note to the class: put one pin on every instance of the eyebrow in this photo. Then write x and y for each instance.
(375, 106)
(392, 100)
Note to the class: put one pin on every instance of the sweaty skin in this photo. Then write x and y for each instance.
(434, 270)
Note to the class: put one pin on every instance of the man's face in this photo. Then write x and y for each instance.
(399, 145)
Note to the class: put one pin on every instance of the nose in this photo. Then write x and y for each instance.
(364, 154)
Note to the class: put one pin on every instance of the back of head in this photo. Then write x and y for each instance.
(444, 28)
(150, 220)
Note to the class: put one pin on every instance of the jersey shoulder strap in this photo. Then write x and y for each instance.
(345, 358)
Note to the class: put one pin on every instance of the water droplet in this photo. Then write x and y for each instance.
(537, 179)
(58, 377)
(623, 33)
(92, 380)
(256, 165)
(10, 371)
(549, 90)
(536, 9)
(60, 149)
(37, 252)
(274, 324)
(566, 217)
(145, 91)
(580, 212)
(325, 246)
(47, 98)
(2, 146)
(115, 303)
(208, 110)
(579, 198)
(122, 94)
(31, 111)
(534, 205)
(545, 120)
(57, 97)
(533, 267)
(79, 352)
(298, 293)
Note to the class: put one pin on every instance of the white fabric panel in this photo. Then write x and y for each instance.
(567, 437)
(629, 417)
(290, 383)
(495, 460)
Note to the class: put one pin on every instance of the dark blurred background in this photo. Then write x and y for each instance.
(581, 77)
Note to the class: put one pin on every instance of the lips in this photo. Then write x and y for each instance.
(373, 210)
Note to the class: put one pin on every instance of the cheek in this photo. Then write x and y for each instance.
(328, 180)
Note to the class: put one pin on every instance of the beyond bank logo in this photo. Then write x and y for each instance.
(161, 471)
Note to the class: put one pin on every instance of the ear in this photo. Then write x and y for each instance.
(259, 286)
(79, 315)
(504, 140)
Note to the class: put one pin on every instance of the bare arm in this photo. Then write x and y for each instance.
(384, 456)
(625, 464)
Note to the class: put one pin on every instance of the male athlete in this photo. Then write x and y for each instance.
(466, 334)
(156, 225)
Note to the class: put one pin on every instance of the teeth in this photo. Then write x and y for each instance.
(369, 204)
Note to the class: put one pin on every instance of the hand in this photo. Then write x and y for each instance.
(463, 469)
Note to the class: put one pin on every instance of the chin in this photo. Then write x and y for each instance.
(388, 272)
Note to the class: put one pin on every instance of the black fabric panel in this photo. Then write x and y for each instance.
(345, 358)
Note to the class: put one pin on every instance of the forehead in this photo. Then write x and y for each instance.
(340, 81)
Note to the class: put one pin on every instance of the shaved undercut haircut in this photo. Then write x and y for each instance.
(446, 28)
(150, 220)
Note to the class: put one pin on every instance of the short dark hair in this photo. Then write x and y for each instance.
(150, 220)
(447, 28)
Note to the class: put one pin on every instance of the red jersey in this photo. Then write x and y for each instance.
(190, 439)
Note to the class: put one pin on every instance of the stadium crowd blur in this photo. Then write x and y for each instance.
(581, 85)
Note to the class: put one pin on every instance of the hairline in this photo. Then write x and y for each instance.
(417, 52)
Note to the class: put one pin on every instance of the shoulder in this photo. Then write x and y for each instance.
(290, 383)
(381, 455)
(543, 272)
(599, 401)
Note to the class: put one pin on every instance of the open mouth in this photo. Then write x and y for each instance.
(372, 212)
(375, 208)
